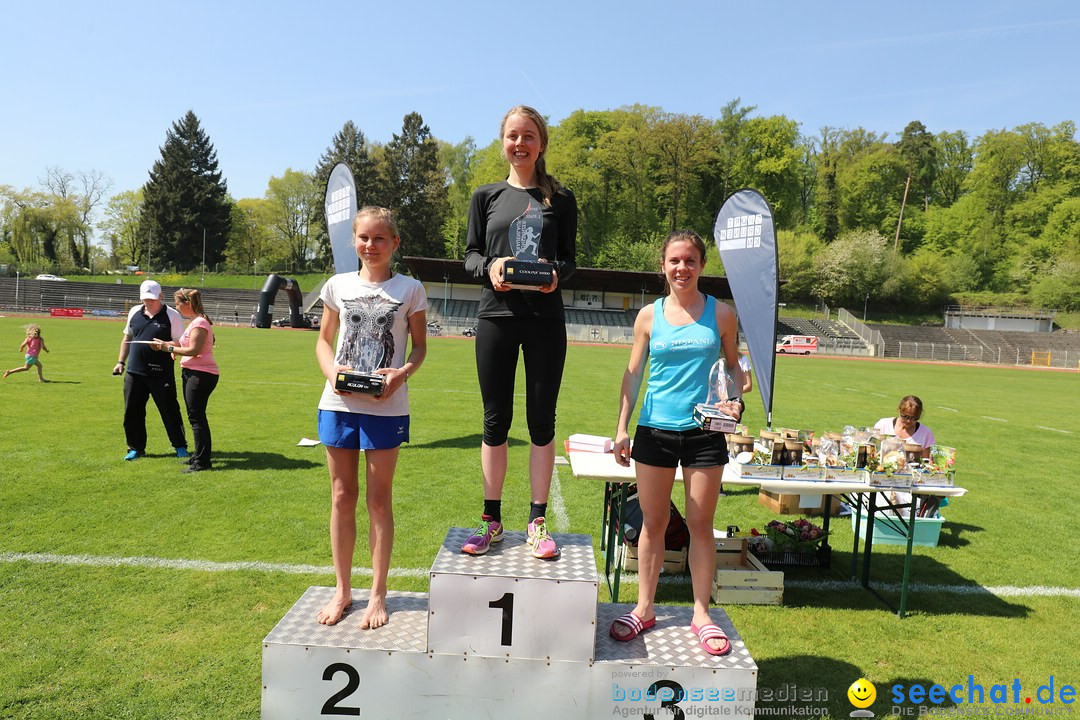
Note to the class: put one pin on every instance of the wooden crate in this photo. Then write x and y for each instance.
(741, 579)
(785, 504)
(674, 560)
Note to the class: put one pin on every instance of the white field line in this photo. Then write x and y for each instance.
(558, 505)
(200, 565)
(1043, 427)
(988, 417)
(847, 585)
(942, 407)
(285, 568)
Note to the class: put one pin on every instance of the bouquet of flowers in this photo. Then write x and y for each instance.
(798, 534)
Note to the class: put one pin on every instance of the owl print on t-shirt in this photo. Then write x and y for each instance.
(368, 343)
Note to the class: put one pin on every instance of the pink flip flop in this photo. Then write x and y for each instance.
(708, 632)
(634, 623)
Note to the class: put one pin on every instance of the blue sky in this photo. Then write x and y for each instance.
(95, 86)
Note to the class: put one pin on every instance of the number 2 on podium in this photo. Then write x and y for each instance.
(506, 604)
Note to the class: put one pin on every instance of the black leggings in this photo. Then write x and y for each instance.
(543, 344)
(197, 388)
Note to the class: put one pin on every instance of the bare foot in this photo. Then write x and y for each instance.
(375, 616)
(334, 609)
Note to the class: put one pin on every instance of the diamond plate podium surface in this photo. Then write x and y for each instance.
(512, 558)
(670, 643)
(406, 631)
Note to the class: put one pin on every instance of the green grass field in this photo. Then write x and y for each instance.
(176, 633)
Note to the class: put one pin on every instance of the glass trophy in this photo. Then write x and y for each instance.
(365, 358)
(707, 415)
(526, 271)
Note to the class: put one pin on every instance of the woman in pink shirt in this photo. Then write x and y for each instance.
(198, 370)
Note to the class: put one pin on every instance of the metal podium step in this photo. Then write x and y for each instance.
(406, 631)
(670, 643)
(512, 558)
(312, 670)
(507, 603)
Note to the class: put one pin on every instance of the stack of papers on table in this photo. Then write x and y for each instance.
(589, 443)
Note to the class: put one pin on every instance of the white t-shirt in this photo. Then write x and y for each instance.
(373, 330)
(923, 435)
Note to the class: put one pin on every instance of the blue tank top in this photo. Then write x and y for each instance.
(680, 359)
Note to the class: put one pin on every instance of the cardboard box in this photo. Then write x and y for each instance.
(844, 474)
(805, 504)
(757, 472)
(927, 530)
(713, 420)
(798, 472)
(674, 560)
(741, 579)
(934, 479)
(896, 480)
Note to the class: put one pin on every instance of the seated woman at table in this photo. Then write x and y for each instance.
(906, 425)
(681, 336)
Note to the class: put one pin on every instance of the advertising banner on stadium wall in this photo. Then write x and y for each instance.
(746, 239)
(340, 211)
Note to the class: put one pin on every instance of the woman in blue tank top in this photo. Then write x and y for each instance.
(681, 336)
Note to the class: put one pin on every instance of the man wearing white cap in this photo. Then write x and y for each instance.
(150, 373)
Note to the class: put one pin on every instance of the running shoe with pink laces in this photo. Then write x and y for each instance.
(490, 531)
(543, 545)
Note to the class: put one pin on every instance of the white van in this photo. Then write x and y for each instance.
(797, 344)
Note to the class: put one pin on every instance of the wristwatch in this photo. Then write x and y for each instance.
(172, 348)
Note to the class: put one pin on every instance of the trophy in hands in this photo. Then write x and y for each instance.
(526, 271)
(365, 360)
(707, 415)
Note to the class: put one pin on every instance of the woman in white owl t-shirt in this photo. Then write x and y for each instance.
(368, 318)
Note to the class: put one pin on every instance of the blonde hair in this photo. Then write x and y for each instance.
(381, 214)
(194, 300)
(548, 184)
(33, 330)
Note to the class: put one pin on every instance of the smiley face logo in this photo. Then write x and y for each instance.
(862, 693)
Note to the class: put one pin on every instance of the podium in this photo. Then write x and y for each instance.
(500, 635)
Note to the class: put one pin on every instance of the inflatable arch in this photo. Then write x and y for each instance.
(264, 316)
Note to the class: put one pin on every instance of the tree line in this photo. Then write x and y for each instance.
(914, 221)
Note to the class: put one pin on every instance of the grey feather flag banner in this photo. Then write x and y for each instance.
(746, 239)
(340, 210)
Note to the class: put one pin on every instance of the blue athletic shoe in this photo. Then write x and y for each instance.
(181, 452)
(134, 454)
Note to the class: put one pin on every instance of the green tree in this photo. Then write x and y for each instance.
(770, 162)
(290, 206)
(853, 268)
(251, 245)
(796, 252)
(458, 161)
(122, 230)
(917, 150)
(415, 187)
(186, 199)
(955, 158)
(684, 146)
(730, 144)
(573, 158)
(868, 188)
